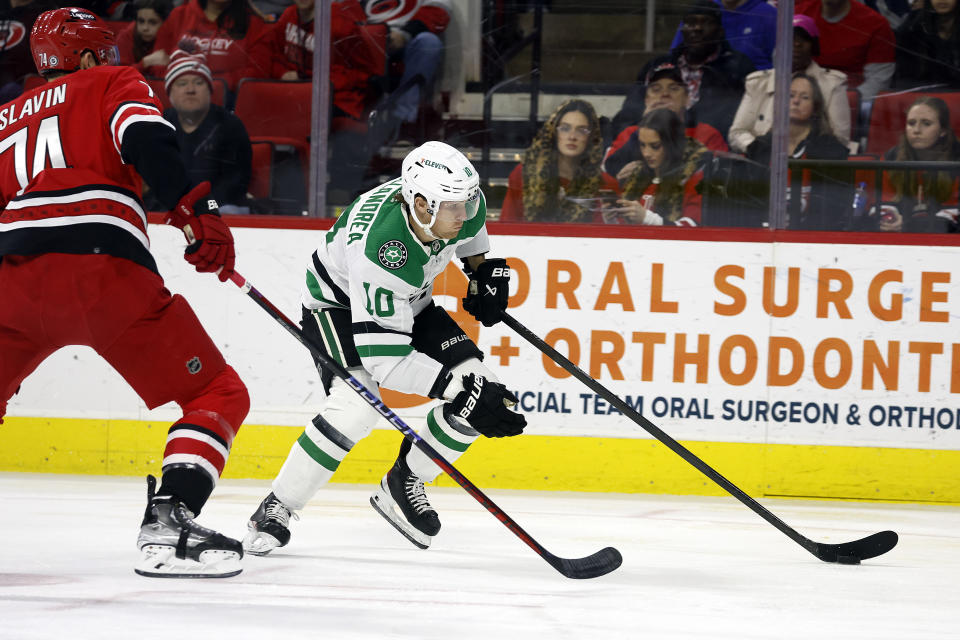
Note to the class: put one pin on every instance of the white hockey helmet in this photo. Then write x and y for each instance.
(439, 173)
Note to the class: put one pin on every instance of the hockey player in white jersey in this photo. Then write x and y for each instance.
(368, 301)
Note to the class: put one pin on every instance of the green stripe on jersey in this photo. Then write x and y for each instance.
(330, 337)
(442, 436)
(316, 291)
(374, 350)
(320, 456)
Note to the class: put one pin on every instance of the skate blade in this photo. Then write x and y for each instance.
(258, 543)
(385, 506)
(161, 561)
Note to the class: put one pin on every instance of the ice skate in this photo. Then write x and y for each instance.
(269, 527)
(174, 546)
(401, 499)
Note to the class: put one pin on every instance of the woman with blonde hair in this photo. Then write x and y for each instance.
(560, 179)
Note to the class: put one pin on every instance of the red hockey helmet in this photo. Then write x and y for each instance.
(61, 36)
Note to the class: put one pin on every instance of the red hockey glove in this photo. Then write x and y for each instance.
(211, 243)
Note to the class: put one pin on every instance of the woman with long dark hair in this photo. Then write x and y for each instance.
(138, 39)
(918, 201)
(825, 194)
(928, 46)
(664, 188)
(560, 178)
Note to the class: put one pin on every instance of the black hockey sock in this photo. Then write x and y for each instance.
(190, 484)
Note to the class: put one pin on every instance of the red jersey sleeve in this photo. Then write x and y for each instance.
(512, 210)
(692, 202)
(128, 100)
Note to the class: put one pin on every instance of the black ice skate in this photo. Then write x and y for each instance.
(400, 499)
(269, 527)
(174, 546)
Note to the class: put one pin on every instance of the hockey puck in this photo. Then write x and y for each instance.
(848, 560)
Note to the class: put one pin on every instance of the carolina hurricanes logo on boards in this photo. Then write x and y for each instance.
(12, 33)
(390, 10)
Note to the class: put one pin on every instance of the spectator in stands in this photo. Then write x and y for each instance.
(560, 179)
(894, 11)
(854, 39)
(664, 89)
(664, 189)
(916, 201)
(755, 115)
(826, 194)
(750, 27)
(357, 65)
(928, 46)
(16, 60)
(137, 40)
(213, 142)
(713, 72)
(222, 30)
(415, 48)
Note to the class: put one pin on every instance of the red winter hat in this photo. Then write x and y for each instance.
(183, 63)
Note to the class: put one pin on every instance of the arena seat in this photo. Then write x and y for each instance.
(276, 112)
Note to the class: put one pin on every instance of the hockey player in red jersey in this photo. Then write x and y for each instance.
(76, 269)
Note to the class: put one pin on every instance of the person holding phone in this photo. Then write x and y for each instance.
(663, 188)
(560, 179)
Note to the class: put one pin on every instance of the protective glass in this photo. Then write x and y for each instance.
(455, 210)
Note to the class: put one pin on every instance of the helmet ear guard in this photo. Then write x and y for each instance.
(437, 172)
(60, 37)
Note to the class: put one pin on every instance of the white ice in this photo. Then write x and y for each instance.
(705, 568)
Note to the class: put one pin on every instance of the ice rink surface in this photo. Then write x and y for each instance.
(705, 568)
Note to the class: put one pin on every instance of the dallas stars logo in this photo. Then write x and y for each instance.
(392, 254)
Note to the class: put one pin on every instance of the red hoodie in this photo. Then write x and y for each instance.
(228, 58)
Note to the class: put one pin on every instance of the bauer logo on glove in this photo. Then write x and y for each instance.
(485, 406)
(488, 291)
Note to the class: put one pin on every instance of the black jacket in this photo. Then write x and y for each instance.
(923, 58)
(218, 151)
(831, 190)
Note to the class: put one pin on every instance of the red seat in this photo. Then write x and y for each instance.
(261, 177)
(276, 112)
(889, 115)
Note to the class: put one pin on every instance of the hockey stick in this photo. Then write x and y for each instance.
(845, 553)
(600, 563)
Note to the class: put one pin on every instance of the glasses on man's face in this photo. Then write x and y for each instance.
(567, 128)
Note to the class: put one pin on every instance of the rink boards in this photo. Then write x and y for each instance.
(810, 365)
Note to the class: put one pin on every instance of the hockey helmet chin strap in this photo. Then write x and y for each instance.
(428, 227)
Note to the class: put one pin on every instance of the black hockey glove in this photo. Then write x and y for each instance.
(488, 291)
(485, 407)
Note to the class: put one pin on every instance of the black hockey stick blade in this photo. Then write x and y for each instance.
(846, 553)
(872, 546)
(593, 566)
